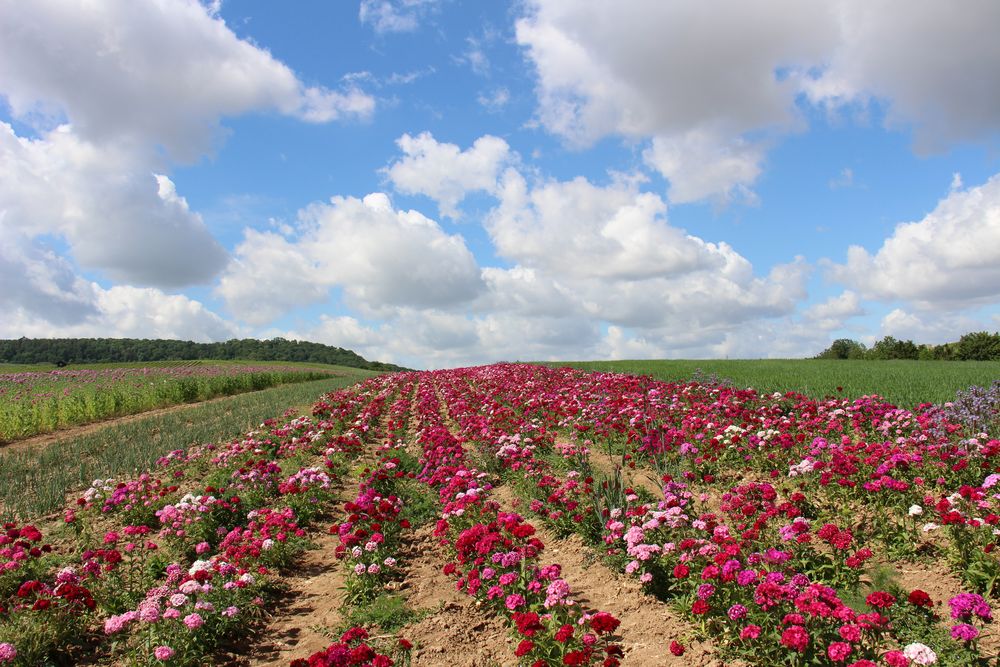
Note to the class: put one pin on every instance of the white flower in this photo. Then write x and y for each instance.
(920, 654)
(928, 527)
(915, 510)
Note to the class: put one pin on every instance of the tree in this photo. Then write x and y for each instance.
(843, 348)
(978, 346)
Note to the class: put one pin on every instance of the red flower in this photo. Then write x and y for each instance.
(524, 647)
(919, 598)
(699, 607)
(880, 600)
(564, 633)
(603, 622)
(681, 571)
(795, 638)
(676, 648)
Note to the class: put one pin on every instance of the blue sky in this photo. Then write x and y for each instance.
(441, 183)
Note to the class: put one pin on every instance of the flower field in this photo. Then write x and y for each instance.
(523, 515)
(33, 402)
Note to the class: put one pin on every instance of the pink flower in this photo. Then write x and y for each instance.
(193, 621)
(163, 653)
(838, 651)
(796, 638)
(964, 632)
(202, 547)
(514, 601)
(7, 652)
(750, 632)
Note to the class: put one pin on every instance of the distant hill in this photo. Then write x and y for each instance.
(102, 350)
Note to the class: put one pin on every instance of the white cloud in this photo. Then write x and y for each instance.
(574, 228)
(641, 71)
(700, 166)
(394, 15)
(116, 216)
(844, 179)
(836, 308)
(44, 297)
(495, 100)
(444, 172)
(948, 260)
(931, 62)
(148, 73)
(929, 327)
(381, 257)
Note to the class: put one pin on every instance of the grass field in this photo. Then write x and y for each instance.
(905, 383)
(42, 398)
(34, 481)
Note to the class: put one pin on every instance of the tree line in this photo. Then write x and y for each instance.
(63, 351)
(976, 346)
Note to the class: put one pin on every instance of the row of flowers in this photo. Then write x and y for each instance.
(171, 563)
(762, 579)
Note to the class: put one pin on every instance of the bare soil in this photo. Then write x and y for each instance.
(648, 625)
(455, 632)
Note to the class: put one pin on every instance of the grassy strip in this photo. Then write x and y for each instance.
(40, 402)
(35, 482)
(905, 383)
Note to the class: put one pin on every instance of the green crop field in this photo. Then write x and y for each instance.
(905, 383)
(35, 480)
(42, 398)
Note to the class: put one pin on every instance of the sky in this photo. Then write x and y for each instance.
(439, 183)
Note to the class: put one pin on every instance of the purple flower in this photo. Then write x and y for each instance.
(964, 632)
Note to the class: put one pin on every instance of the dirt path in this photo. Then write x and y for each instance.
(647, 624)
(312, 602)
(455, 632)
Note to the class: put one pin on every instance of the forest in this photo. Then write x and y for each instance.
(66, 351)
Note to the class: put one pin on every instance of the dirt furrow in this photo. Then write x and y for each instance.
(648, 625)
(455, 631)
(312, 602)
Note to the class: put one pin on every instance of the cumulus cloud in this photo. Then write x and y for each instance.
(576, 228)
(700, 165)
(43, 296)
(948, 260)
(116, 216)
(148, 73)
(640, 70)
(941, 92)
(444, 172)
(929, 327)
(381, 258)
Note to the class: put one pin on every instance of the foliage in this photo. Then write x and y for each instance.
(62, 351)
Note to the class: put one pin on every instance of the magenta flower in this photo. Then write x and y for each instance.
(193, 621)
(163, 653)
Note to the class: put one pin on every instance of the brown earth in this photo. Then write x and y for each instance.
(455, 632)
(648, 625)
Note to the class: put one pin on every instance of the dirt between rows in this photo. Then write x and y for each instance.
(648, 625)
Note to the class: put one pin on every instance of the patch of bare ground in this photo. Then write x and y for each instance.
(942, 584)
(456, 632)
(312, 601)
(635, 478)
(648, 625)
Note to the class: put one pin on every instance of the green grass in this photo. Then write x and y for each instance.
(42, 399)
(905, 383)
(35, 481)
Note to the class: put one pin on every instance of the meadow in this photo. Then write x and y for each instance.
(903, 383)
(34, 401)
(514, 514)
